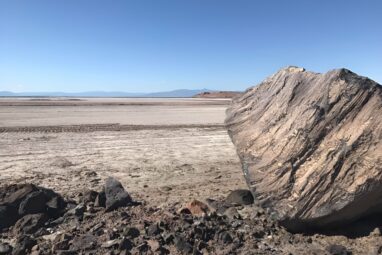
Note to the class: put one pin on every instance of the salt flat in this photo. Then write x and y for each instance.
(187, 155)
(125, 111)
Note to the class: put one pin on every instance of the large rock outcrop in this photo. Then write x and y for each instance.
(311, 146)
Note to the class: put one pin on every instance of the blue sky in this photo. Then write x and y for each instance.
(144, 46)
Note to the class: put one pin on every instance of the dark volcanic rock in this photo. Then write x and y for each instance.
(125, 244)
(100, 200)
(13, 194)
(182, 245)
(310, 145)
(61, 242)
(240, 197)
(116, 196)
(89, 196)
(225, 237)
(77, 211)
(56, 205)
(132, 232)
(8, 216)
(23, 245)
(29, 223)
(153, 230)
(27, 199)
(33, 203)
(84, 242)
(336, 249)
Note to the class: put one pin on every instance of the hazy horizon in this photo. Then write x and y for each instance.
(157, 94)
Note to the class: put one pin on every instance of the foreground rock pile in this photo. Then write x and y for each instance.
(28, 206)
(311, 147)
(111, 222)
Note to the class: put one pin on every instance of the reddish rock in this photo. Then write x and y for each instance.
(196, 208)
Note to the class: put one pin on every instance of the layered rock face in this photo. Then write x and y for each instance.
(311, 146)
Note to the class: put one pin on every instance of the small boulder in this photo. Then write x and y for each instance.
(240, 197)
(218, 206)
(142, 248)
(100, 200)
(225, 237)
(132, 232)
(84, 242)
(62, 242)
(61, 246)
(61, 162)
(165, 188)
(33, 203)
(154, 244)
(23, 245)
(232, 213)
(336, 249)
(77, 211)
(14, 194)
(153, 230)
(125, 244)
(110, 244)
(182, 245)
(116, 195)
(56, 205)
(162, 250)
(196, 208)
(8, 216)
(23, 199)
(29, 224)
(168, 238)
(376, 232)
(89, 196)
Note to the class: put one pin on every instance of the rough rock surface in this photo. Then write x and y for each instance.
(240, 197)
(142, 229)
(21, 200)
(116, 195)
(196, 208)
(310, 145)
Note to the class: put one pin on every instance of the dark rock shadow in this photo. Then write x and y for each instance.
(360, 228)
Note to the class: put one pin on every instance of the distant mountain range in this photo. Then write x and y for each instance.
(173, 93)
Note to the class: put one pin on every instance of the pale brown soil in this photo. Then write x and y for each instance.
(165, 155)
(150, 150)
(25, 112)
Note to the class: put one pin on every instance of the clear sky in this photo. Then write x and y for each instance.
(144, 46)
